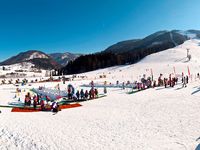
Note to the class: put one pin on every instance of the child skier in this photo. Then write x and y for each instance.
(77, 95)
(55, 107)
(96, 93)
(86, 94)
(82, 94)
(184, 82)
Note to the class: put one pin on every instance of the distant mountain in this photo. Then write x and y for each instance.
(158, 39)
(168, 38)
(38, 58)
(130, 51)
(64, 58)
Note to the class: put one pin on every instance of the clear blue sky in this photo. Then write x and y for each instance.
(85, 26)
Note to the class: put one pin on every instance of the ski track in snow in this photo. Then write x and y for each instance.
(171, 36)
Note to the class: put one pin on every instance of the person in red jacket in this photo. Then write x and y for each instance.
(42, 105)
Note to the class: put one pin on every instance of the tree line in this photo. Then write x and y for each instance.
(103, 59)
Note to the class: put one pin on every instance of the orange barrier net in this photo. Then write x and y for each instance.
(28, 109)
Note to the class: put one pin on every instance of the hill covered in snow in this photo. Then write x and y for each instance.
(131, 51)
(171, 61)
(155, 118)
(37, 58)
(122, 53)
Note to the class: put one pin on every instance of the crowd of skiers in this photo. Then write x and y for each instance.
(40, 100)
(43, 100)
(171, 81)
(162, 81)
(84, 95)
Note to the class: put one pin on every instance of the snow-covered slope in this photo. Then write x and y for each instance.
(38, 58)
(164, 62)
(21, 70)
(162, 38)
(37, 55)
(164, 118)
(157, 118)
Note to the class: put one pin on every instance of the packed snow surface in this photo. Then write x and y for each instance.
(159, 118)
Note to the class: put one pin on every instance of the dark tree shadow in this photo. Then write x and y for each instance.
(178, 60)
(186, 61)
(198, 147)
(179, 88)
(198, 90)
(198, 139)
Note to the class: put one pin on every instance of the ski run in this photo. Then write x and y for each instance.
(157, 118)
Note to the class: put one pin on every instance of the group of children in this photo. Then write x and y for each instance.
(82, 95)
(91, 94)
(43, 101)
(149, 83)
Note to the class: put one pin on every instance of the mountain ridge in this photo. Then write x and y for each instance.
(130, 51)
(41, 59)
(64, 58)
(36, 57)
(123, 52)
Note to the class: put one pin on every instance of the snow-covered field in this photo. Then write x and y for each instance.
(154, 119)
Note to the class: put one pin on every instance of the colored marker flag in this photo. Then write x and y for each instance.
(151, 74)
(174, 71)
(188, 71)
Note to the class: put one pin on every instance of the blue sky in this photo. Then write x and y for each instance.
(86, 26)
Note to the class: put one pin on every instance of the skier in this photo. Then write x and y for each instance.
(170, 80)
(55, 107)
(138, 86)
(92, 93)
(38, 99)
(187, 79)
(82, 94)
(42, 105)
(96, 93)
(184, 82)
(77, 95)
(92, 84)
(123, 85)
(48, 98)
(69, 93)
(117, 83)
(154, 84)
(28, 99)
(176, 80)
(35, 102)
(105, 90)
(165, 82)
(182, 77)
(173, 81)
(86, 94)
